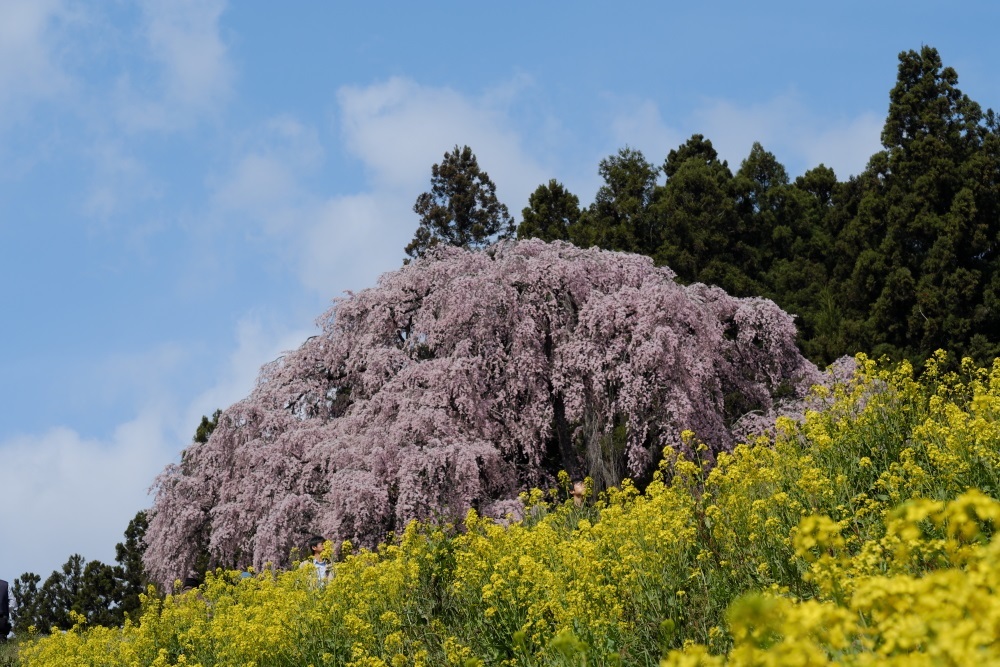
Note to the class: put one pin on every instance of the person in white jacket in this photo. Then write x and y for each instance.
(316, 546)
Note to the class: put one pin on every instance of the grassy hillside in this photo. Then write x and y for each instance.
(851, 538)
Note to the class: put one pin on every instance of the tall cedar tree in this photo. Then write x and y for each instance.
(461, 209)
(796, 272)
(130, 572)
(761, 186)
(697, 214)
(551, 212)
(619, 218)
(927, 225)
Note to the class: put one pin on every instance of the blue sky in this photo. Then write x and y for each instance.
(185, 185)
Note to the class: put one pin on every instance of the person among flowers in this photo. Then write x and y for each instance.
(316, 547)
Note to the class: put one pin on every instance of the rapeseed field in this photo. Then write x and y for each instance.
(859, 535)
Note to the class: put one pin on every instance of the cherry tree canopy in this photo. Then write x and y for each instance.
(461, 379)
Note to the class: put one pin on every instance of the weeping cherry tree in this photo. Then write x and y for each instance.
(460, 380)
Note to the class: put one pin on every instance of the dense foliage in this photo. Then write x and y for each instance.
(461, 379)
(849, 538)
(901, 259)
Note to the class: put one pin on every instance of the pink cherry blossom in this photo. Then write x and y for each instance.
(461, 379)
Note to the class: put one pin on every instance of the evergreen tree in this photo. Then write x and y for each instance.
(27, 603)
(461, 208)
(984, 179)
(60, 594)
(619, 218)
(130, 573)
(927, 223)
(206, 427)
(697, 148)
(552, 210)
(798, 276)
(697, 214)
(99, 595)
(765, 221)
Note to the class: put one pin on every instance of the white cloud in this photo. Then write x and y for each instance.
(184, 38)
(28, 42)
(353, 239)
(195, 76)
(845, 146)
(258, 183)
(399, 129)
(264, 180)
(643, 127)
(66, 493)
(801, 138)
(119, 181)
(258, 342)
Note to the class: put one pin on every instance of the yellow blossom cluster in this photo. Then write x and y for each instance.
(924, 594)
(861, 534)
